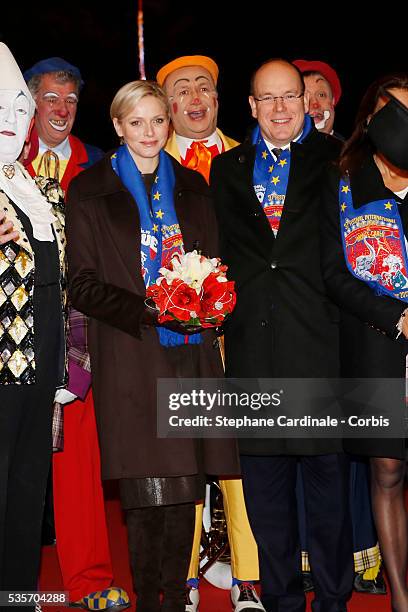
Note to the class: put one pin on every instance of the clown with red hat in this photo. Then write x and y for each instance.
(323, 86)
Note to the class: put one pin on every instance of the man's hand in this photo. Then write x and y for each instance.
(6, 230)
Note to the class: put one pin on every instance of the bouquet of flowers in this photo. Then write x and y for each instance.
(193, 290)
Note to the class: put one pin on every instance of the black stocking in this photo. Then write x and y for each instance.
(391, 522)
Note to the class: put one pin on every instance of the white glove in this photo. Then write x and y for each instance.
(63, 396)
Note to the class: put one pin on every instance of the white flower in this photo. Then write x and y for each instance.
(192, 268)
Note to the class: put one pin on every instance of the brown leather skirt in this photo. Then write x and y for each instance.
(164, 491)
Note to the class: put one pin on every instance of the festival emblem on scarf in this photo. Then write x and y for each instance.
(172, 242)
(374, 244)
(375, 253)
(273, 209)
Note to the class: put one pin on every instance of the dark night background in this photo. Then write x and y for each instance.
(102, 41)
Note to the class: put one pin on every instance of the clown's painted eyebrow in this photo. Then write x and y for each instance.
(53, 94)
(201, 76)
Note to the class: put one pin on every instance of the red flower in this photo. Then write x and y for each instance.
(175, 301)
(217, 301)
(159, 296)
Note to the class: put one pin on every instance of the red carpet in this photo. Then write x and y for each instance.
(212, 599)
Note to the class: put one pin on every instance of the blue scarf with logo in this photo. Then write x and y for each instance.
(270, 178)
(374, 244)
(160, 230)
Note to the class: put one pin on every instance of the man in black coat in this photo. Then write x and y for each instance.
(267, 200)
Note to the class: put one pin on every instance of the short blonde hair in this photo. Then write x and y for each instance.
(131, 93)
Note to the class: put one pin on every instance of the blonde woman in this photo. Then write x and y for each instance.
(127, 215)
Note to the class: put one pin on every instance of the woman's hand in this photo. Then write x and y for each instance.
(150, 318)
(6, 230)
(404, 327)
(181, 328)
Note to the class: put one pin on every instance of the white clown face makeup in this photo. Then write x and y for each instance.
(15, 116)
(321, 102)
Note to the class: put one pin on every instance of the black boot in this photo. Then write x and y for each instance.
(145, 539)
(177, 545)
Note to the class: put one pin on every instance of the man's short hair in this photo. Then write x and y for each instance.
(63, 71)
